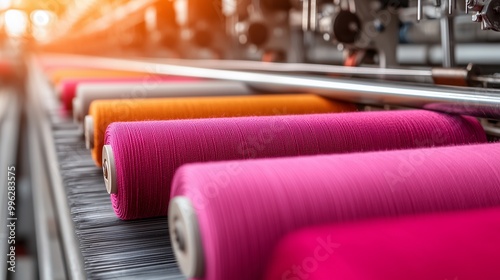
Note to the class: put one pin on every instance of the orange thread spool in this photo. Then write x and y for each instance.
(58, 75)
(104, 112)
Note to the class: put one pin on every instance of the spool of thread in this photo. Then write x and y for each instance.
(457, 245)
(59, 74)
(140, 158)
(7, 69)
(88, 93)
(104, 112)
(238, 211)
(68, 87)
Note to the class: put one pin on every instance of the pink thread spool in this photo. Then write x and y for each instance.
(139, 159)
(457, 245)
(226, 217)
(67, 88)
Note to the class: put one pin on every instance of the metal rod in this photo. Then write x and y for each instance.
(242, 65)
(420, 10)
(313, 14)
(306, 15)
(487, 79)
(469, 101)
(447, 41)
(40, 92)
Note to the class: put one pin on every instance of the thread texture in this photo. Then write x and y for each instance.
(148, 153)
(106, 112)
(86, 94)
(68, 87)
(458, 245)
(244, 208)
(59, 74)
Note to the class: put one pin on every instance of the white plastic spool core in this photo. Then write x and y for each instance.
(59, 91)
(77, 110)
(185, 236)
(109, 169)
(88, 126)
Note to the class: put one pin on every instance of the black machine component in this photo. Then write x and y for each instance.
(263, 30)
(202, 28)
(346, 27)
(488, 13)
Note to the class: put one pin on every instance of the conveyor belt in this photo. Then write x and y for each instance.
(96, 244)
(111, 248)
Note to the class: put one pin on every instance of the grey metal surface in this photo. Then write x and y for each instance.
(97, 245)
(49, 251)
(421, 54)
(40, 92)
(479, 102)
(466, 31)
(9, 132)
(4, 100)
(464, 53)
(42, 236)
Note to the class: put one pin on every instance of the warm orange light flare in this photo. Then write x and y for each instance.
(41, 18)
(5, 4)
(16, 22)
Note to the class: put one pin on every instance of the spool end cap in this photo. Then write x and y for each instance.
(109, 169)
(77, 112)
(59, 91)
(88, 126)
(185, 236)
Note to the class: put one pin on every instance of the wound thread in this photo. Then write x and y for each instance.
(86, 94)
(147, 154)
(57, 75)
(105, 112)
(244, 208)
(456, 245)
(124, 85)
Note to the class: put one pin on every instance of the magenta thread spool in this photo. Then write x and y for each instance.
(455, 245)
(139, 159)
(226, 217)
(67, 88)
